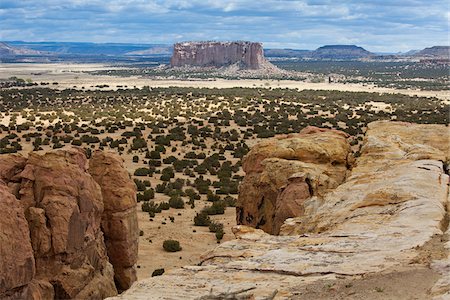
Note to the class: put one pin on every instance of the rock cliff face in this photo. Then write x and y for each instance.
(247, 55)
(282, 173)
(119, 219)
(385, 220)
(52, 243)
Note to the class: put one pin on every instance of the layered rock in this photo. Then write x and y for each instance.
(57, 208)
(119, 220)
(386, 218)
(247, 55)
(282, 173)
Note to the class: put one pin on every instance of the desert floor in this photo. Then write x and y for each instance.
(72, 75)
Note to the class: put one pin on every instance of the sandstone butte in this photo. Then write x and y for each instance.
(61, 217)
(248, 55)
(384, 213)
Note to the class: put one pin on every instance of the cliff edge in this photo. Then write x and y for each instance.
(68, 226)
(246, 55)
(376, 228)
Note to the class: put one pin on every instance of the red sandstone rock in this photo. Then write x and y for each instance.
(119, 219)
(52, 245)
(323, 155)
(17, 267)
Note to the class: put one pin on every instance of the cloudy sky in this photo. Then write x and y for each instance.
(377, 25)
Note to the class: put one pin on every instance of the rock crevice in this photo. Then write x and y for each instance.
(58, 209)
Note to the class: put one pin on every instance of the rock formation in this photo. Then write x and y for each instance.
(273, 189)
(386, 220)
(247, 55)
(119, 220)
(52, 244)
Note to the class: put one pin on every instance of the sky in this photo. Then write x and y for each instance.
(377, 25)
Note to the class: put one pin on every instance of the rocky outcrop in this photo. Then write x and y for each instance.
(388, 217)
(52, 241)
(119, 220)
(282, 173)
(17, 268)
(247, 55)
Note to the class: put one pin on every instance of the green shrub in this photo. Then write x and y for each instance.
(164, 205)
(176, 202)
(219, 235)
(202, 219)
(214, 227)
(217, 208)
(142, 172)
(171, 246)
(158, 272)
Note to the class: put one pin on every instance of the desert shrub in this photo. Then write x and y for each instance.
(171, 246)
(214, 227)
(219, 235)
(142, 172)
(158, 272)
(77, 143)
(202, 219)
(139, 185)
(164, 205)
(217, 208)
(213, 197)
(229, 201)
(151, 207)
(176, 202)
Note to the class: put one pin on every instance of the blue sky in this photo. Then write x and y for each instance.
(377, 25)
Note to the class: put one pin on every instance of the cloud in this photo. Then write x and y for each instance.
(381, 25)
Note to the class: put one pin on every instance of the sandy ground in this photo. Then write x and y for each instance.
(70, 75)
(194, 240)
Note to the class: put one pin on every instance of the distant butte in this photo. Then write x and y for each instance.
(247, 55)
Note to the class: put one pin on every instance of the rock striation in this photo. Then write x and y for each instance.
(52, 243)
(388, 216)
(119, 219)
(247, 55)
(282, 173)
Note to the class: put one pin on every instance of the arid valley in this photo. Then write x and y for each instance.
(221, 168)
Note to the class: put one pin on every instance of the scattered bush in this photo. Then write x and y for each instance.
(171, 246)
(158, 272)
(202, 219)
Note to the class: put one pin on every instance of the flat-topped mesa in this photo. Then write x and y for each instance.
(248, 55)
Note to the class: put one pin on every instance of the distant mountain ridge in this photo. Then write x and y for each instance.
(435, 51)
(327, 52)
(81, 51)
(340, 52)
(82, 48)
(8, 50)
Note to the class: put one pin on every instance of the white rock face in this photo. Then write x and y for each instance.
(394, 203)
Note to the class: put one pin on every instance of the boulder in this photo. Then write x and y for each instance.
(269, 194)
(119, 219)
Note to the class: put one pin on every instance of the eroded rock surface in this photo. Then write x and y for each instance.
(282, 173)
(52, 244)
(388, 216)
(119, 220)
(247, 55)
